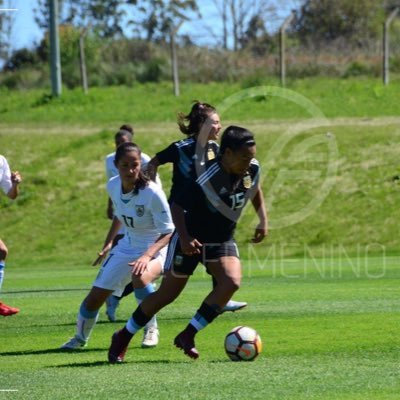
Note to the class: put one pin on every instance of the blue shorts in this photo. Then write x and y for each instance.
(184, 264)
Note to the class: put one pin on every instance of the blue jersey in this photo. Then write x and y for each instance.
(214, 202)
(184, 154)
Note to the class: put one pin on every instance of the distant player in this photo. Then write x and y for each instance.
(183, 154)
(141, 207)
(9, 182)
(205, 234)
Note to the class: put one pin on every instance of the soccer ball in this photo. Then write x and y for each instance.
(243, 344)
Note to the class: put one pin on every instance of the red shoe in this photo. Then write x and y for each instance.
(119, 345)
(185, 342)
(6, 310)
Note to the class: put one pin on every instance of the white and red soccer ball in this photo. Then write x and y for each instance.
(243, 343)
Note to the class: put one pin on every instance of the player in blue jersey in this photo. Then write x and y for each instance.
(183, 155)
(9, 183)
(141, 206)
(205, 223)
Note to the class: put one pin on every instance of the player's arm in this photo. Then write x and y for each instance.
(113, 231)
(152, 167)
(140, 264)
(259, 206)
(168, 155)
(163, 222)
(110, 211)
(16, 179)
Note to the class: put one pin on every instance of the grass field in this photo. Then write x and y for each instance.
(329, 332)
(322, 289)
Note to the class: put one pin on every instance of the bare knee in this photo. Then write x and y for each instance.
(231, 284)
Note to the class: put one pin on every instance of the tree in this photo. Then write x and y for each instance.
(159, 17)
(105, 17)
(240, 18)
(326, 20)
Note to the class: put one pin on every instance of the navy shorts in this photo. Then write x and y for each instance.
(184, 264)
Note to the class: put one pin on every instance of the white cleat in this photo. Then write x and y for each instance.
(233, 306)
(73, 344)
(112, 303)
(150, 337)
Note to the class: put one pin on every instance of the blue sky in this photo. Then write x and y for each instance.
(26, 33)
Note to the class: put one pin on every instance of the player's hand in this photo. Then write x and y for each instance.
(139, 266)
(260, 233)
(190, 246)
(16, 177)
(102, 255)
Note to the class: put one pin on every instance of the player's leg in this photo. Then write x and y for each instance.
(171, 286)
(87, 317)
(227, 271)
(112, 301)
(5, 310)
(231, 305)
(178, 269)
(143, 287)
(113, 276)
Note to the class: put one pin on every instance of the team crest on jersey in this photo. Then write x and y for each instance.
(247, 181)
(210, 154)
(139, 210)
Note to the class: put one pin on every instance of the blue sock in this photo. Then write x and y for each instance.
(142, 293)
(204, 316)
(138, 320)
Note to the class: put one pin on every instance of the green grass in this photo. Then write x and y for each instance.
(156, 102)
(331, 335)
(60, 215)
(322, 289)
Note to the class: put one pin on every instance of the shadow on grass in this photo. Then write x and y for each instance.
(46, 290)
(101, 363)
(47, 351)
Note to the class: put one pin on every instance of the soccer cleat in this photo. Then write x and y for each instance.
(233, 306)
(73, 344)
(119, 345)
(150, 337)
(6, 310)
(185, 342)
(112, 303)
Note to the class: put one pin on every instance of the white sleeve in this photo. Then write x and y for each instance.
(109, 173)
(161, 212)
(5, 175)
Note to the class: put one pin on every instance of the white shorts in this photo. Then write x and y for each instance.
(115, 273)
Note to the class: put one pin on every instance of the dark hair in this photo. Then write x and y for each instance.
(124, 130)
(234, 137)
(127, 147)
(196, 118)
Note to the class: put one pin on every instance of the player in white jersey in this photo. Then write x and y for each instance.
(141, 207)
(9, 182)
(151, 333)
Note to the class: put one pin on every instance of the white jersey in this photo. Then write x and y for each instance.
(145, 215)
(111, 169)
(5, 175)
